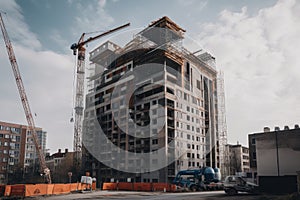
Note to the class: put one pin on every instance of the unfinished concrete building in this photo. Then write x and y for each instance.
(165, 114)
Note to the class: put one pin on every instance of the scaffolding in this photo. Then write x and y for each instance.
(222, 126)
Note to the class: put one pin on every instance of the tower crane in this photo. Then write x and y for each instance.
(80, 49)
(31, 125)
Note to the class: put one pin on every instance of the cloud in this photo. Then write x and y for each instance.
(17, 29)
(61, 42)
(200, 4)
(47, 77)
(102, 3)
(92, 17)
(258, 54)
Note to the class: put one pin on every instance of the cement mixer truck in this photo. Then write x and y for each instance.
(199, 179)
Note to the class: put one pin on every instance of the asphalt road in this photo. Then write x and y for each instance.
(149, 196)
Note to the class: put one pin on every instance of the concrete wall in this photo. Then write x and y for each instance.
(289, 161)
(266, 157)
(281, 157)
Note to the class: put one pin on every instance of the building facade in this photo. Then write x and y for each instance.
(17, 150)
(274, 156)
(159, 122)
(237, 159)
(60, 164)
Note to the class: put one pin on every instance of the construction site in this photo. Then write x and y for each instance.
(152, 109)
(166, 75)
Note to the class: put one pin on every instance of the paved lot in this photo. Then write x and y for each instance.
(154, 196)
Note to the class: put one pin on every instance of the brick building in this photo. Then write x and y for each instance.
(17, 150)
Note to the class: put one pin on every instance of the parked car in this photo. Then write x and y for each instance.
(235, 184)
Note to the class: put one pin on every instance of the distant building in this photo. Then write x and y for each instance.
(275, 156)
(17, 151)
(60, 163)
(236, 159)
(31, 158)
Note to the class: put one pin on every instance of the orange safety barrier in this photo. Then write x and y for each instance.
(83, 186)
(161, 187)
(50, 189)
(61, 189)
(94, 186)
(109, 186)
(26, 190)
(173, 188)
(17, 190)
(7, 190)
(36, 190)
(74, 186)
(78, 186)
(124, 186)
(142, 187)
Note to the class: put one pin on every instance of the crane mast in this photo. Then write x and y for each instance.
(31, 125)
(77, 142)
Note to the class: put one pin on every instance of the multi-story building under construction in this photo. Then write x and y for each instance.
(151, 109)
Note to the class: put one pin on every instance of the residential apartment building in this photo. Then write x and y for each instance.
(17, 150)
(237, 159)
(274, 155)
(156, 104)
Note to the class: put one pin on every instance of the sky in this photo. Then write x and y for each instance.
(255, 44)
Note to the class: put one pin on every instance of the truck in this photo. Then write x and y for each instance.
(234, 184)
(199, 179)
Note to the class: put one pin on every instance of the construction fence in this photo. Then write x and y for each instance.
(147, 187)
(29, 190)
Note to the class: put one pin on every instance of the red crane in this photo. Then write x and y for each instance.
(31, 125)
